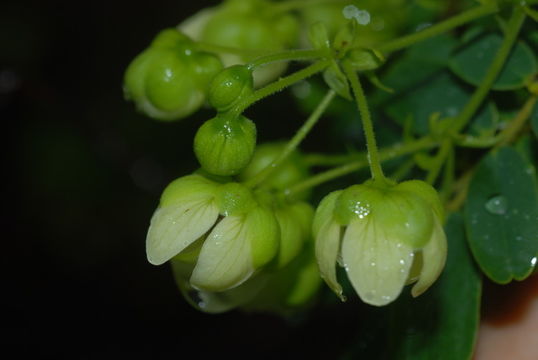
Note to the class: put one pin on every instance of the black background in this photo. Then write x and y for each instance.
(82, 175)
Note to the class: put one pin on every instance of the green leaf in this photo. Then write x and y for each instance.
(442, 323)
(501, 216)
(422, 61)
(440, 94)
(472, 62)
(487, 121)
(336, 80)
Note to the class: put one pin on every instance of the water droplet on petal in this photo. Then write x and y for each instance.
(497, 205)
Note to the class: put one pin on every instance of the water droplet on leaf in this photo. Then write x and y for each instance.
(497, 205)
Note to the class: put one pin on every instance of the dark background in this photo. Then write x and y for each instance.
(83, 173)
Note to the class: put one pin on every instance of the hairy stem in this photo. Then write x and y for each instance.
(362, 104)
(280, 85)
(287, 56)
(385, 154)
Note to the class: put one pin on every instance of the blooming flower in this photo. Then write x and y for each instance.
(383, 236)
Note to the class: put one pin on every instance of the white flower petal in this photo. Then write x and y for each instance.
(225, 260)
(327, 247)
(433, 257)
(377, 266)
(174, 227)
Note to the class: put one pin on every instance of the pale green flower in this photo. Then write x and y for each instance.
(222, 229)
(383, 236)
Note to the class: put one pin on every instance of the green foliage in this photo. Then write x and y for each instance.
(472, 62)
(442, 323)
(501, 216)
(445, 94)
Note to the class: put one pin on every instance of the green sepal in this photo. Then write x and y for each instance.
(265, 235)
(231, 85)
(234, 199)
(294, 222)
(187, 187)
(319, 36)
(337, 81)
(364, 59)
(405, 216)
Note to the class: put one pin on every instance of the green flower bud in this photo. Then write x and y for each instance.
(224, 146)
(171, 39)
(169, 80)
(246, 24)
(293, 170)
(229, 86)
(379, 233)
(168, 89)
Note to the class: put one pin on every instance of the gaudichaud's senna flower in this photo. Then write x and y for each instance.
(234, 247)
(222, 229)
(289, 283)
(385, 236)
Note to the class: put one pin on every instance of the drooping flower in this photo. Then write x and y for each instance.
(221, 229)
(384, 236)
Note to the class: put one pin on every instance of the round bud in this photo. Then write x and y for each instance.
(224, 146)
(251, 25)
(170, 89)
(229, 86)
(169, 80)
(205, 67)
(170, 38)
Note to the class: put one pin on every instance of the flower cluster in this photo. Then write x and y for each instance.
(234, 232)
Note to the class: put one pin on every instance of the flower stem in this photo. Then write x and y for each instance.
(505, 136)
(510, 132)
(362, 104)
(385, 154)
(514, 26)
(294, 142)
(439, 28)
(279, 85)
(299, 54)
(440, 158)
